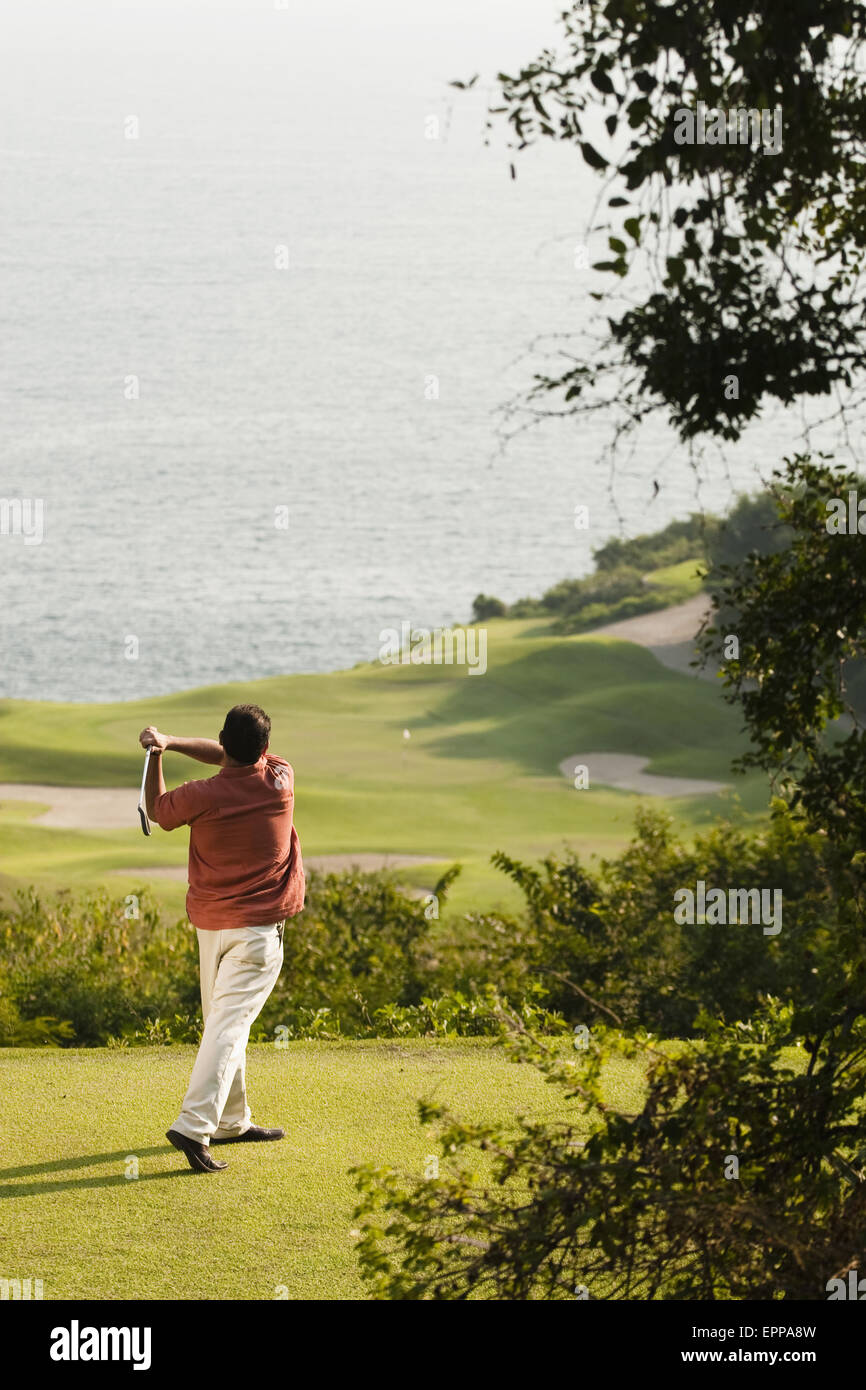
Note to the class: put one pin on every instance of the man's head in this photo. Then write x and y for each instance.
(245, 734)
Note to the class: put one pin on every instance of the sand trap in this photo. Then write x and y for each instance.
(77, 808)
(322, 863)
(625, 772)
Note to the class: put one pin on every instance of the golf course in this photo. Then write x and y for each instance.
(433, 706)
(415, 767)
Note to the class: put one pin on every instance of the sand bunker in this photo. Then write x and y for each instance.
(77, 808)
(625, 772)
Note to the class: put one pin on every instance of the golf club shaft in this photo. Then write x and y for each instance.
(144, 777)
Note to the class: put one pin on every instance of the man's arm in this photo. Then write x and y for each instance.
(155, 783)
(204, 750)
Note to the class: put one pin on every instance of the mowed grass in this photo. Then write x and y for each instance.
(478, 772)
(278, 1222)
(280, 1215)
(680, 581)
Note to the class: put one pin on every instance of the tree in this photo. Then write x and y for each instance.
(801, 635)
(745, 260)
(754, 294)
(743, 1173)
(484, 607)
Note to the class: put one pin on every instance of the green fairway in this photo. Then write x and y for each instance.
(280, 1216)
(678, 582)
(479, 771)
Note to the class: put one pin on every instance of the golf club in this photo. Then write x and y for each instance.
(145, 823)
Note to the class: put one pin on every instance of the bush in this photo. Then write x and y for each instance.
(609, 936)
(617, 588)
(80, 971)
(485, 607)
(359, 945)
(740, 1177)
(678, 541)
(362, 960)
(98, 971)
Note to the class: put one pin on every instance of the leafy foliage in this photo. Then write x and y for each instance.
(622, 584)
(753, 256)
(484, 607)
(83, 962)
(606, 947)
(802, 639)
(360, 945)
(362, 961)
(358, 960)
(605, 1204)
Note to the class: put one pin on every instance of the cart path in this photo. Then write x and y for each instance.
(669, 635)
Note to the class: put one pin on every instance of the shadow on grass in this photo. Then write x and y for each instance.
(62, 1165)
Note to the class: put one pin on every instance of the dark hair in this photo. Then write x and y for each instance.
(245, 733)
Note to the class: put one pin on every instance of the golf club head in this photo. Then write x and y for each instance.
(145, 823)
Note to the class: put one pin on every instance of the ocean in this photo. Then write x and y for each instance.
(265, 293)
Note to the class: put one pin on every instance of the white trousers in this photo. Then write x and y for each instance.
(239, 968)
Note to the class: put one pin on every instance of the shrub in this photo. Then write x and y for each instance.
(84, 962)
(359, 945)
(484, 607)
(608, 936)
(740, 1177)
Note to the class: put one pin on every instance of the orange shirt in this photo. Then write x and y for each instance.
(245, 867)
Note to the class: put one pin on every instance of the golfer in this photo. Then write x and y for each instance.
(246, 877)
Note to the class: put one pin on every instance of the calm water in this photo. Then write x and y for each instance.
(306, 388)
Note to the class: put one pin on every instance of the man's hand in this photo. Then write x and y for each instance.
(204, 750)
(152, 738)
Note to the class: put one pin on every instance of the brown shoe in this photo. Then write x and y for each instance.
(255, 1134)
(197, 1155)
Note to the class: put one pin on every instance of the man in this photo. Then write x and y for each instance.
(246, 877)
